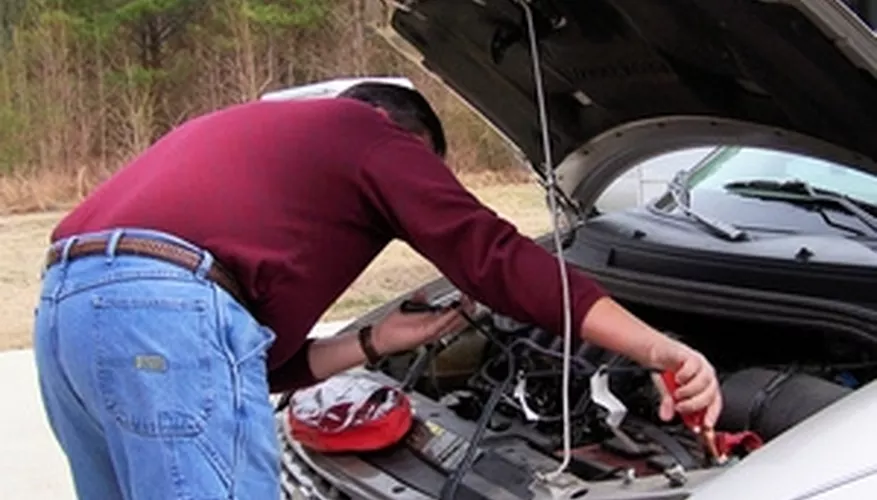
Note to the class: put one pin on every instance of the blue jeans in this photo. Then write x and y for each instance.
(154, 380)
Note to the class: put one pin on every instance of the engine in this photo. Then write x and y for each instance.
(508, 377)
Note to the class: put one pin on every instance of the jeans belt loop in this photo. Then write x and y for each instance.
(205, 265)
(65, 250)
(113, 244)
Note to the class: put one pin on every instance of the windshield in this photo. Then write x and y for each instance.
(752, 189)
(747, 164)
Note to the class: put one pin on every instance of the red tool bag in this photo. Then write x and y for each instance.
(347, 413)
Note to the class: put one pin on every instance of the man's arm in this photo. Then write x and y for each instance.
(609, 325)
(335, 354)
(612, 327)
(316, 360)
(398, 331)
(485, 256)
(421, 202)
(601, 325)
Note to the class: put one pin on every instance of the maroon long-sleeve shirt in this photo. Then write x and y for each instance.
(296, 198)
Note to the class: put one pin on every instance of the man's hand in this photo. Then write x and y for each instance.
(400, 331)
(612, 327)
(696, 378)
(397, 332)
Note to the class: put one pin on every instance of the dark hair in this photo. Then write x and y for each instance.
(406, 107)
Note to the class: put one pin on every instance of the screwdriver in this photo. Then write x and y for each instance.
(694, 420)
(411, 307)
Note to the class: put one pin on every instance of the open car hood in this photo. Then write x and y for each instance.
(627, 79)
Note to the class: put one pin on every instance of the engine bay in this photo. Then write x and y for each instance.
(487, 402)
(642, 445)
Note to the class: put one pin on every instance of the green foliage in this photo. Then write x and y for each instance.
(134, 77)
(11, 12)
(138, 10)
(291, 13)
(13, 125)
(129, 11)
(87, 82)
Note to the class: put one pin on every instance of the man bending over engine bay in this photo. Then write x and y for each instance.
(181, 291)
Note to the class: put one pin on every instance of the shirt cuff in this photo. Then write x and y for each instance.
(295, 373)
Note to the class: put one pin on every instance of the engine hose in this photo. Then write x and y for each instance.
(582, 363)
(670, 444)
(770, 402)
(508, 352)
(449, 490)
(529, 341)
(539, 336)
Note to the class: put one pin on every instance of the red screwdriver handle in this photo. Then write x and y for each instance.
(693, 421)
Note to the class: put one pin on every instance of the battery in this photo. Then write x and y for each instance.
(437, 445)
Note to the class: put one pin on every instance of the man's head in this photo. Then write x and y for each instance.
(406, 107)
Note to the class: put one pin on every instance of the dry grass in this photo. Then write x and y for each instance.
(397, 269)
(44, 191)
(48, 191)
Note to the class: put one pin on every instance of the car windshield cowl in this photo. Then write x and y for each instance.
(799, 191)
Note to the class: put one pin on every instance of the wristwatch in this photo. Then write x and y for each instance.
(368, 347)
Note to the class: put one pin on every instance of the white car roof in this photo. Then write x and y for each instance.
(331, 88)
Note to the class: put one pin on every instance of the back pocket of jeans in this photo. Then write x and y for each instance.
(155, 366)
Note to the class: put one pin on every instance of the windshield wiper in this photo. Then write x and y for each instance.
(678, 189)
(802, 191)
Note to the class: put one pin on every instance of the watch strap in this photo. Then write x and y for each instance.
(368, 346)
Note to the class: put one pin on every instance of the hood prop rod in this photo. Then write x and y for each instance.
(551, 182)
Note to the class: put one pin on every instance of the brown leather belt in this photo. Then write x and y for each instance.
(161, 250)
